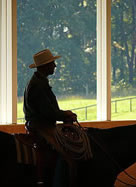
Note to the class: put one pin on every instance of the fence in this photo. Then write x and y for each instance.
(86, 109)
(130, 103)
(116, 102)
(22, 120)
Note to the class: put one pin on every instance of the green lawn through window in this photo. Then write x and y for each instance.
(122, 108)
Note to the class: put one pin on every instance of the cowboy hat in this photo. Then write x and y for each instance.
(43, 57)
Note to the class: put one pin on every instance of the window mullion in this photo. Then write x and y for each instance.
(99, 59)
(108, 49)
(3, 63)
(9, 62)
(14, 61)
(103, 60)
(8, 85)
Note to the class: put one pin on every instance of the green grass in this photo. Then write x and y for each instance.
(77, 105)
(125, 109)
(120, 112)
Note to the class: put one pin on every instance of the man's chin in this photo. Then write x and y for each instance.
(51, 73)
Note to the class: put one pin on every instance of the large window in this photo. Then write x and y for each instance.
(95, 76)
(67, 28)
(123, 58)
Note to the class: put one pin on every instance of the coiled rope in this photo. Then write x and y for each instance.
(73, 141)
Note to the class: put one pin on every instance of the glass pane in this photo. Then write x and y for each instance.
(67, 28)
(123, 59)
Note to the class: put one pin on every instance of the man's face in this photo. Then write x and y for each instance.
(49, 68)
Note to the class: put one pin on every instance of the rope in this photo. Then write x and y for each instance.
(73, 141)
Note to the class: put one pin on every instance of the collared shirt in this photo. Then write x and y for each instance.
(40, 103)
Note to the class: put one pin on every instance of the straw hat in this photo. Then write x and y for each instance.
(43, 57)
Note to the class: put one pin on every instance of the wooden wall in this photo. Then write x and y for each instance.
(13, 128)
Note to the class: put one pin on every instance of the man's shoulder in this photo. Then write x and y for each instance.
(37, 81)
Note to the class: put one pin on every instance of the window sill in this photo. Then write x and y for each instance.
(19, 128)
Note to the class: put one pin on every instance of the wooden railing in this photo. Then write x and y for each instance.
(85, 108)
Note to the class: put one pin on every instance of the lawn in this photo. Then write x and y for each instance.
(121, 110)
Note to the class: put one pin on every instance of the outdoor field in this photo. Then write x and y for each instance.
(123, 108)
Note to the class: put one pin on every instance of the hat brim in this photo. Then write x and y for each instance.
(46, 62)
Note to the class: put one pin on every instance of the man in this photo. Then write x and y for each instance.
(42, 112)
(40, 105)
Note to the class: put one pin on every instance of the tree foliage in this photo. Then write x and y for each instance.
(68, 28)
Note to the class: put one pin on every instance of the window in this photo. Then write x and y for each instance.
(67, 28)
(96, 39)
(123, 59)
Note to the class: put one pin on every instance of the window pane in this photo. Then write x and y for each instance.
(67, 28)
(123, 59)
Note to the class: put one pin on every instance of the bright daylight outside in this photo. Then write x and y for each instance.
(123, 59)
(68, 29)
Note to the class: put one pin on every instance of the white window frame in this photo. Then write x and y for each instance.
(8, 62)
(103, 60)
(8, 54)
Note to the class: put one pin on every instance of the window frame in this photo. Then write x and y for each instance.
(8, 107)
(8, 84)
(104, 60)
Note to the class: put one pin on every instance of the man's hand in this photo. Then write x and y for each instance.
(70, 116)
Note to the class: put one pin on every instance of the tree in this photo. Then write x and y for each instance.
(66, 27)
(124, 42)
